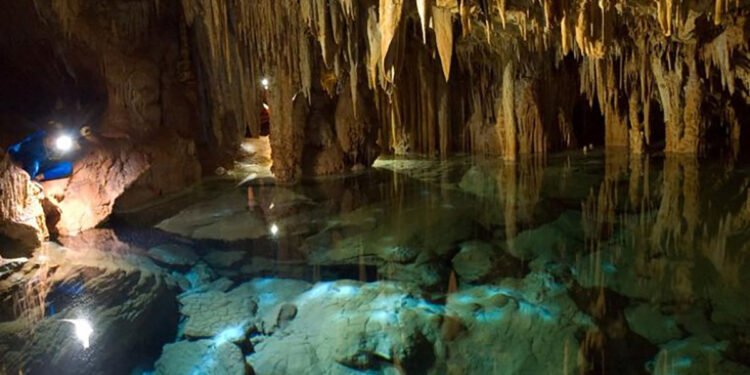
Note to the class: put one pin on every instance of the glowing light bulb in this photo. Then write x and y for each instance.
(83, 330)
(64, 143)
(265, 82)
(274, 229)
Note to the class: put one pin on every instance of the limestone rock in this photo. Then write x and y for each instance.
(344, 326)
(224, 218)
(98, 178)
(173, 167)
(201, 357)
(533, 314)
(21, 212)
(173, 255)
(211, 313)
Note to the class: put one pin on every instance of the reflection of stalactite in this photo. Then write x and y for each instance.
(677, 218)
(638, 189)
(520, 184)
(30, 303)
(599, 210)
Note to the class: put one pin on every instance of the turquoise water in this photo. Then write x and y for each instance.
(573, 264)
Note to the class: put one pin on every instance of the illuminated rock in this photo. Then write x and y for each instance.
(98, 179)
(21, 212)
(211, 312)
(345, 326)
(539, 320)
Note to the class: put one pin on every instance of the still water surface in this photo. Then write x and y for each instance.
(574, 264)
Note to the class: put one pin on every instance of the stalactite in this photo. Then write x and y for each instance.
(423, 8)
(501, 10)
(443, 23)
(389, 19)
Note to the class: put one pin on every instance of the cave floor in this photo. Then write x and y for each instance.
(570, 264)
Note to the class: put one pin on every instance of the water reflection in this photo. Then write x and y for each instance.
(598, 263)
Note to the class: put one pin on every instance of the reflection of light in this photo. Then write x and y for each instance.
(64, 143)
(274, 229)
(271, 206)
(83, 330)
(265, 82)
(265, 106)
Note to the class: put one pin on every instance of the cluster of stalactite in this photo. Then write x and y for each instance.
(435, 76)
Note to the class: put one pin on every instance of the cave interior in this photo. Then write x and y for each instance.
(233, 126)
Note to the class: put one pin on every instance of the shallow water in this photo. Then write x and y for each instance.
(574, 264)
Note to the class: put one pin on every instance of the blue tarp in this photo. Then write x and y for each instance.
(36, 159)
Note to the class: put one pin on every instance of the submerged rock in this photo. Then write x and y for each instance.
(173, 255)
(647, 321)
(479, 260)
(201, 357)
(224, 218)
(344, 326)
(212, 313)
(224, 259)
(527, 326)
(694, 356)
